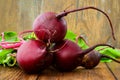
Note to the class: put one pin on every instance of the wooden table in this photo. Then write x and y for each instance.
(109, 71)
(18, 15)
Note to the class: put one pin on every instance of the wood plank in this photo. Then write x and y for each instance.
(115, 12)
(93, 25)
(18, 15)
(7, 73)
(8, 15)
(115, 68)
(99, 73)
(28, 10)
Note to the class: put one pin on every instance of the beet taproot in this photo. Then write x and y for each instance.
(68, 55)
(32, 56)
(92, 59)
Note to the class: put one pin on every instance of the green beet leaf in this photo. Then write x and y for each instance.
(72, 36)
(10, 36)
(29, 36)
(3, 54)
(4, 58)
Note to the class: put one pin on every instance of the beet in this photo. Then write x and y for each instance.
(92, 59)
(32, 56)
(47, 27)
(51, 27)
(68, 55)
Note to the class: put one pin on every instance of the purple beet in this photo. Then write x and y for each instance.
(92, 59)
(32, 56)
(68, 55)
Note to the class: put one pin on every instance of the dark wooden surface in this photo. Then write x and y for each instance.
(18, 15)
(101, 72)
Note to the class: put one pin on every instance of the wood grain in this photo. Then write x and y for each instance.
(93, 25)
(8, 15)
(115, 67)
(28, 10)
(7, 73)
(99, 73)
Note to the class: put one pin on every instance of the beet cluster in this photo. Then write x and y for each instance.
(50, 47)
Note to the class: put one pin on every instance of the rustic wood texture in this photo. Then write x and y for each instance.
(15, 73)
(94, 26)
(114, 67)
(18, 15)
(101, 72)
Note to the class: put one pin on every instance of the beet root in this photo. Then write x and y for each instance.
(48, 28)
(92, 59)
(68, 55)
(32, 56)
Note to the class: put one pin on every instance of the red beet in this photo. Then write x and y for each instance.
(48, 27)
(92, 59)
(68, 55)
(32, 56)
(52, 27)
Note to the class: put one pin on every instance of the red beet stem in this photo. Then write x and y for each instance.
(90, 7)
(59, 48)
(20, 35)
(2, 35)
(80, 37)
(11, 45)
(105, 56)
(93, 47)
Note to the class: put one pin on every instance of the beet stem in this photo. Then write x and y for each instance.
(93, 47)
(105, 56)
(20, 34)
(103, 48)
(2, 35)
(59, 16)
(9, 45)
(59, 48)
(80, 37)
